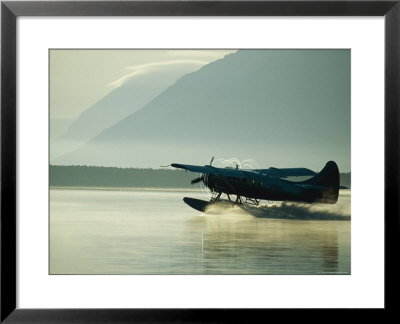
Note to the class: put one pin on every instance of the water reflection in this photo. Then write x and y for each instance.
(240, 243)
(154, 232)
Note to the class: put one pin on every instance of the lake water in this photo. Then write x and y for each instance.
(137, 231)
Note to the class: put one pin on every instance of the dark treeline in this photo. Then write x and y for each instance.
(92, 176)
(345, 179)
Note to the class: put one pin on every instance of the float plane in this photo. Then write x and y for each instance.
(249, 186)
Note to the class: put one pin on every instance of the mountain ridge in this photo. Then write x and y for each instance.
(290, 102)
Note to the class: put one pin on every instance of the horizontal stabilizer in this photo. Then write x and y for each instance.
(290, 172)
(310, 186)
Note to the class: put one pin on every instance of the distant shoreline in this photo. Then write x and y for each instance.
(197, 189)
(88, 177)
(113, 177)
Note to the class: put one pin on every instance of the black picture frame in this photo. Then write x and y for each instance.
(10, 10)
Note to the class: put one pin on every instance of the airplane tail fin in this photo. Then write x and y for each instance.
(328, 178)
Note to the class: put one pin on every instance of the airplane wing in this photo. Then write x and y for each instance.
(290, 172)
(272, 172)
(193, 168)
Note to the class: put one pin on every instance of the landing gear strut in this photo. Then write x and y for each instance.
(251, 201)
(238, 201)
(215, 197)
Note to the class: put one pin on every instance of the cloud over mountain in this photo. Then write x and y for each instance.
(282, 107)
(130, 93)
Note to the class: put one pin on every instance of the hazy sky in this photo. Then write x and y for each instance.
(79, 78)
(297, 107)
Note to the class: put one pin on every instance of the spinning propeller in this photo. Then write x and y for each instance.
(199, 179)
